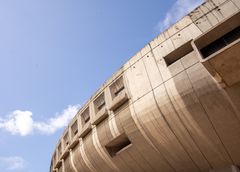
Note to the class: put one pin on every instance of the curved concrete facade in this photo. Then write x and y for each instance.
(173, 107)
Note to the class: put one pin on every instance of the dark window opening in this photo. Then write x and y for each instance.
(59, 150)
(221, 42)
(99, 103)
(178, 53)
(60, 169)
(66, 139)
(117, 87)
(74, 128)
(54, 158)
(118, 144)
(85, 116)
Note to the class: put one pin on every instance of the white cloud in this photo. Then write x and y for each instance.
(179, 9)
(57, 122)
(12, 163)
(21, 122)
(18, 122)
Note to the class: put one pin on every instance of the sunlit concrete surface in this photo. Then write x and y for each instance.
(173, 107)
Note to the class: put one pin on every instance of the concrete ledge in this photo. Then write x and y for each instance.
(73, 143)
(65, 154)
(119, 100)
(100, 116)
(86, 129)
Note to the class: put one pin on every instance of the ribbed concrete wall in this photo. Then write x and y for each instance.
(168, 108)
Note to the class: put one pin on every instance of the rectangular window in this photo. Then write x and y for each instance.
(60, 169)
(66, 139)
(99, 103)
(178, 53)
(59, 150)
(54, 159)
(118, 145)
(221, 42)
(74, 128)
(85, 116)
(117, 87)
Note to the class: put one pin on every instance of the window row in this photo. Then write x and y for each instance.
(94, 113)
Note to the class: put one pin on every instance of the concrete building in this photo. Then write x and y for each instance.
(173, 107)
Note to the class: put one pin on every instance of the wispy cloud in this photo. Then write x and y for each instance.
(179, 9)
(22, 122)
(12, 163)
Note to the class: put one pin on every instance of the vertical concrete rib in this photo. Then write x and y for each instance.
(144, 134)
(169, 126)
(84, 156)
(63, 165)
(71, 160)
(100, 150)
(113, 126)
(177, 112)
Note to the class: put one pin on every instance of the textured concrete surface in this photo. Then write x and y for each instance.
(168, 108)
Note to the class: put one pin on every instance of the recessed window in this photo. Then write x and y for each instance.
(54, 158)
(221, 42)
(99, 103)
(85, 116)
(74, 128)
(59, 150)
(178, 53)
(66, 139)
(60, 169)
(118, 145)
(117, 87)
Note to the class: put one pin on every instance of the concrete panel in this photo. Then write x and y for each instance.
(158, 40)
(166, 47)
(171, 114)
(237, 3)
(213, 18)
(67, 165)
(78, 160)
(225, 10)
(203, 24)
(153, 160)
(194, 118)
(105, 137)
(220, 111)
(135, 58)
(184, 22)
(189, 60)
(145, 50)
(218, 2)
(203, 9)
(138, 81)
(166, 72)
(93, 156)
(233, 93)
(185, 35)
(161, 135)
(152, 70)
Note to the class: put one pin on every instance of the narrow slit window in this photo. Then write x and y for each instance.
(99, 103)
(59, 150)
(60, 169)
(54, 158)
(66, 139)
(85, 116)
(117, 87)
(74, 128)
(221, 42)
(178, 53)
(118, 145)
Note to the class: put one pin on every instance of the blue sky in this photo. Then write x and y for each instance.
(54, 54)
